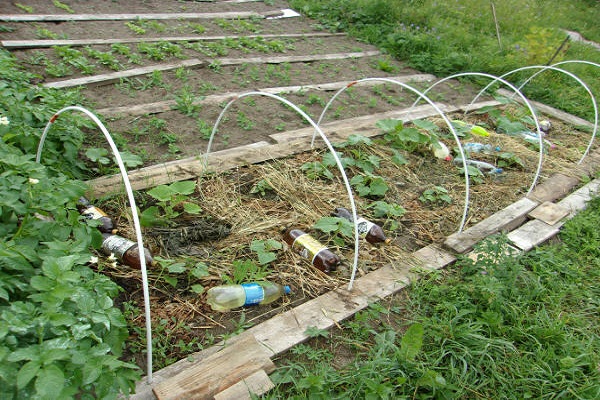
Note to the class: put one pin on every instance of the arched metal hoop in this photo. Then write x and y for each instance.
(435, 107)
(543, 68)
(134, 215)
(329, 146)
(518, 92)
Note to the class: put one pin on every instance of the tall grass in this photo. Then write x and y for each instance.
(513, 327)
(447, 37)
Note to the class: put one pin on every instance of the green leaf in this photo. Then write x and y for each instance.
(131, 160)
(27, 372)
(192, 208)
(425, 124)
(265, 258)
(378, 187)
(162, 192)
(184, 187)
(198, 289)
(177, 268)
(390, 125)
(313, 332)
(50, 382)
(200, 270)
(398, 159)
(412, 341)
(328, 224)
(97, 155)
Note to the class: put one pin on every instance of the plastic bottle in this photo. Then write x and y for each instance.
(371, 232)
(308, 247)
(480, 148)
(226, 297)
(90, 211)
(125, 250)
(534, 138)
(483, 166)
(440, 151)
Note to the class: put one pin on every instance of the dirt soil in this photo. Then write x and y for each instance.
(254, 203)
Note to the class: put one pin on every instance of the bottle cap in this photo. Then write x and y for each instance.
(287, 289)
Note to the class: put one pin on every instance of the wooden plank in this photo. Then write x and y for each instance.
(551, 111)
(194, 62)
(531, 234)
(166, 105)
(217, 372)
(30, 44)
(555, 187)
(504, 220)
(132, 17)
(116, 76)
(193, 167)
(256, 384)
(549, 213)
(578, 200)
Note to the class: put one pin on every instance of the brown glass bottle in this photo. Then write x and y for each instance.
(371, 232)
(307, 246)
(125, 250)
(90, 211)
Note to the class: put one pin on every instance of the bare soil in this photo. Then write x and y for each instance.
(235, 213)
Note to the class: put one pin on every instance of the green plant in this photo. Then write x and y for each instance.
(63, 6)
(382, 209)
(135, 28)
(246, 271)
(160, 50)
(42, 33)
(264, 249)
(244, 121)
(186, 102)
(99, 156)
(27, 9)
(436, 195)
(369, 185)
(261, 187)
(172, 201)
(196, 28)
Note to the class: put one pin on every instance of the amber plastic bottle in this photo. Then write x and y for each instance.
(125, 250)
(371, 232)
(307, 246)
(90, 211)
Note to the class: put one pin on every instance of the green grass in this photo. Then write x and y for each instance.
(512, 327)
(445, 38)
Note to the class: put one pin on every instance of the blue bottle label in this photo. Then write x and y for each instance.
(254, 293)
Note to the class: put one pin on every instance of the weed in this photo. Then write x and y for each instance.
(186, 102)
(27, 9)
(437, 195)
(244, 121)
(135, 28)
(173, 200)
(63, 6)
(246, 271)
(160, 50)
(265, 250)
(196, 28)
(261, 187)
(43, 33)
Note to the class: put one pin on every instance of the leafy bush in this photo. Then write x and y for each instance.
(60, 334)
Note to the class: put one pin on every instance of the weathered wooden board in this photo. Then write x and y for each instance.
(549, 213)
(255, 385)
(578, 200)
(504, 220)
(166, 105)
(217, 372)
(31, 44)
(531, 234)
(194, 62)
(104, 79)
(555, 187)
(132, 17)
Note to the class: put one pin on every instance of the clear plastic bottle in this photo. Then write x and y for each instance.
(89, 211)
(125, 250)
(368, 230)
(480, 148)
(483, 166)
(308, 247)
(440, 151)
(226, 297)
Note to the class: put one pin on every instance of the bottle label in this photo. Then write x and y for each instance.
(93, 213)
(364, 226)
(307, 246)
(117, 245)
(254, 293)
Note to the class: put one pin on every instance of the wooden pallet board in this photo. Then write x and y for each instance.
(218, 372)
(195, 63)
(504, 220)
(166, 105)
(254, 385)
(133, 17)
(549, 213)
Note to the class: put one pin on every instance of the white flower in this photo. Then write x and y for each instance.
(4, 121)
(113, 264)
(93, 260)
(112, 257)
(34, 181)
